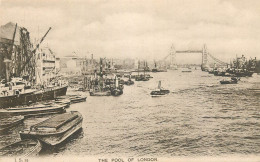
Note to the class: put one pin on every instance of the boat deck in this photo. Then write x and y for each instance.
(56, 121)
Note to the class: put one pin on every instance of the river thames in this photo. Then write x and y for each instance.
(200, 117)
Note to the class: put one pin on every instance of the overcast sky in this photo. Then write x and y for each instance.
(141, 28)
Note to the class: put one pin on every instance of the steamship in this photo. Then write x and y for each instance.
(16, 92)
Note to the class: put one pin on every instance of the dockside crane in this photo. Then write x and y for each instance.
(33, 53)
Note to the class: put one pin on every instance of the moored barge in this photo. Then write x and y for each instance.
(56, 129)
(9, 122)
(33, 110)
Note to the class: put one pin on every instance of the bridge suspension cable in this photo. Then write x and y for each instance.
(217, 60)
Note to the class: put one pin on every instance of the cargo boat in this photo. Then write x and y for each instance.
(9, 122)
(33, 110)
(56, 129)
(24, 148)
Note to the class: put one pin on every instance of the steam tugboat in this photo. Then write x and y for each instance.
(160, 91)
(117, 90)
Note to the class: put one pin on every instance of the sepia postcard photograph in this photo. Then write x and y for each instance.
(129, 81)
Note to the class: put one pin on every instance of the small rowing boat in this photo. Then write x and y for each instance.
(24, 148)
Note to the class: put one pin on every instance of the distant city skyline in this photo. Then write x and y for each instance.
(141, 29)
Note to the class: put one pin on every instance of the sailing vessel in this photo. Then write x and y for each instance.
(56, 129)
(160, 91)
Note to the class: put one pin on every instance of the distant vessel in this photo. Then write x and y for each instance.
(156, 69)
(160, 91)
(129, 81)
(24, 148)
(56, 129)
(141, 77)
(241, 67)
(186, 71)
(232, 81)
(101, 86)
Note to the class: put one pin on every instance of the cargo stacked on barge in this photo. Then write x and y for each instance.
(56, 129)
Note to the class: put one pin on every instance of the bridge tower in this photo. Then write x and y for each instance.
(173, 64)
(204, 64)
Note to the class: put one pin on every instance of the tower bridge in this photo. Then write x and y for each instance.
(204, 60)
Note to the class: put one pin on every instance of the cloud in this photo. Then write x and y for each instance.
(141, 28)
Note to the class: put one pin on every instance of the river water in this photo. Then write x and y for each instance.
(199, 117)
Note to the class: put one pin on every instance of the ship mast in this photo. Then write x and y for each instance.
(7, 60)
(144, 68)
(138, 67)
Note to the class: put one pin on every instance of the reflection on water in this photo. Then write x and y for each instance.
(199, 117)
